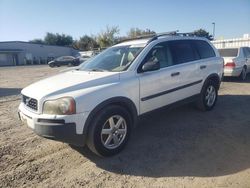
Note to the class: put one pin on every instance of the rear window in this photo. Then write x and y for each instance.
(232, 52)
(204, 49)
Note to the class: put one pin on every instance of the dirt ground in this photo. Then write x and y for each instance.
(174, 148)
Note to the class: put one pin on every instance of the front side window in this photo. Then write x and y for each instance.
(160, 53)
(182, 51)
(114, 59)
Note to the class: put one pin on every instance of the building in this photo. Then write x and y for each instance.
(26, 53)
(233, 43)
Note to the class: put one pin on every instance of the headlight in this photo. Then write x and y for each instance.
(62, 106)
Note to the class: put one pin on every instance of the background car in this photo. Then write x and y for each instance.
(83, 58)
(236, 61)
(64, 60)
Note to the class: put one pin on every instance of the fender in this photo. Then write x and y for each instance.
(122, 101)
(215, 77)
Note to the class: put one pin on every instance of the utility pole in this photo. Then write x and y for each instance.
(213, 30)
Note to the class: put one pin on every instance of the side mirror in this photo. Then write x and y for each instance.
(151, 66)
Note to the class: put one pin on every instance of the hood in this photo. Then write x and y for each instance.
(69, 81)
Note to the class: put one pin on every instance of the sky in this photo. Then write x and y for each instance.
(24, 20)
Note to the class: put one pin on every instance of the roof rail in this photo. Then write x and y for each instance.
(149, 36)
(163, 34)
(157, 35)
(172, 33)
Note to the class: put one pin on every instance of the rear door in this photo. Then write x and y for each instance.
(187, 60)
(207, 63)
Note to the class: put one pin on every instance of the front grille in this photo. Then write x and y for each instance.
(30, 102)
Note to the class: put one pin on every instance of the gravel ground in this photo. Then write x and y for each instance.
(200, 149)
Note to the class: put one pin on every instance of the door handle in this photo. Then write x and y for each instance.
(203, 66)
(175, 74)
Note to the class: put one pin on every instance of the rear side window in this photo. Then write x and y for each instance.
(204, 49)
(246, 52)
(230, 52)
(182, 51)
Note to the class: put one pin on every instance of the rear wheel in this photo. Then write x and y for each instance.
(110, 131)
(243, 74)
(208, 96)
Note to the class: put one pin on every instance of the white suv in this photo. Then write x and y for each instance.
(99, 103)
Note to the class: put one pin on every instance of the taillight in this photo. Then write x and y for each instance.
(230, 65)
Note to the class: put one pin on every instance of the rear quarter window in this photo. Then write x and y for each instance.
(204, 49)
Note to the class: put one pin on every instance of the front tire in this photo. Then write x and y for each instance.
(208, 96)
(109, 131)
(51, 65)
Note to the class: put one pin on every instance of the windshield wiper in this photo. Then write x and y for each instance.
(97, 70)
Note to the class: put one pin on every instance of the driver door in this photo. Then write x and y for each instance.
(156, 87)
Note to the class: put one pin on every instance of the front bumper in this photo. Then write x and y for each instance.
(235, 72)
(64, 128)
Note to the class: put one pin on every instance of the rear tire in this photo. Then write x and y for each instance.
(109, 131)
(208, 96)
(243, 74)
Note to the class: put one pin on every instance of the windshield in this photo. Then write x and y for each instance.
(114, 59)
(232, 52)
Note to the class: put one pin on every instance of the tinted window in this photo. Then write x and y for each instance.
(248, 49)
(230, 52)
(246, 52)
(204, 49)
(182, 51)
(160, 53)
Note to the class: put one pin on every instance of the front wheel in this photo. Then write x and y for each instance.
(208, 96)
(109, 131)
(51, 65)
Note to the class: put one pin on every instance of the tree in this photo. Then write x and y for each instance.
(57, 39)
(203, 33)
(135, 32)
(108, 37)
(37, 41)
(86, 43)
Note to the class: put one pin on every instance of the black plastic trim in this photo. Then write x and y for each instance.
(170, 91)
(172, 105)
(64, 133)
(59, 121)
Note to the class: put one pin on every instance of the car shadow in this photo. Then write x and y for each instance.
(236, 79)
(4, 92)
(186, 142)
